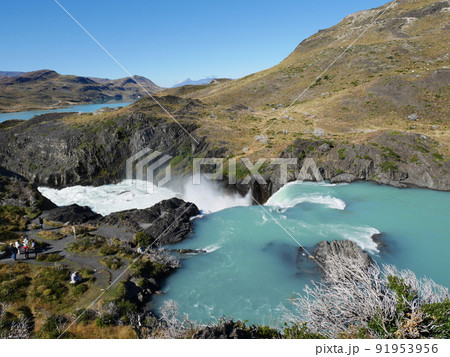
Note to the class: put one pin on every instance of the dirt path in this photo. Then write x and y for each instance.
(73, 260)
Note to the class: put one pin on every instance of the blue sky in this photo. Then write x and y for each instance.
(166, 41)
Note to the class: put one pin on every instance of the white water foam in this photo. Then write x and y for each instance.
(108, 198)
(288, 202)
(212, 248)
(130, 194)
(360, 235)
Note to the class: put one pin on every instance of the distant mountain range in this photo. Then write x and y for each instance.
(10, 74)
(48, 89)
(189, 81)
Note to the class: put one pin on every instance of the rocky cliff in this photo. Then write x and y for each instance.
(386, 157)
(63, 149)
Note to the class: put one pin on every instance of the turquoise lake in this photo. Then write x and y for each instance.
(86, 108)
(250, 270)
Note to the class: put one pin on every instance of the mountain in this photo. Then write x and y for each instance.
(379, 113)
(48, 89)
(189, 81)
(394, 77)
(10, 74)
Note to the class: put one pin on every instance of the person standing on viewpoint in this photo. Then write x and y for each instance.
(17, 244)
(13, 251)
(34, 247)
(26, 250)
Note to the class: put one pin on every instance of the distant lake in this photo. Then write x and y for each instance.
(85, 108)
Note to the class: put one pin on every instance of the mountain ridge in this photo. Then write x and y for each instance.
(43, 89)
(189, 81)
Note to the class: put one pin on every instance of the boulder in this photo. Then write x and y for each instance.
(73, 214)
(15, 190)
(346, 248)
(167, 222)
(347, 178)
(319, 132)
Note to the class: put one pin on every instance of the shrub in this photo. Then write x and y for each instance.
(52, 223)
(78, 229)
(79, 289)
(86, 242)
(12, 287)
(142, 239)
(51, 283)
(414, 159)
(34, 226)
(111, 263)
(50, 235)
(12, 218)
(54, 327)
(341, 154)
(299, 331)
(373, 301)
(108, 249)
(389, 166)
(388, 153)
(438, 316)
(50, 258)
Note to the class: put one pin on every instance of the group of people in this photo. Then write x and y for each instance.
(17, 246)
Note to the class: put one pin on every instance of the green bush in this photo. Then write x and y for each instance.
(108, 249)
(266, 332)
(79, 289)
(142, 239)
(438, 314)
(111, 262)
(86, 242)
(389, 166)
(341, 154)
(51, 284)
(388, 153)
(50, 258)
(13, 287)
(54, 327)
(300, 332)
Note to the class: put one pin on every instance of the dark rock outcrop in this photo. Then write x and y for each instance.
(392, 158)
(59, 150)
(336, 248)
(73, 214)
(15, 190)
(167, 222)
(347, 178)
(225, 330)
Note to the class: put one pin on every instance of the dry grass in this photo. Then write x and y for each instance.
(358, 97)
(50, 235)
(52, 223)
(79, 229)
(91, 331)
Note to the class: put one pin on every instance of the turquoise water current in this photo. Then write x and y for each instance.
(251, 269)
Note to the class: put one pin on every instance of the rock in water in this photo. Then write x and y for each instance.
(347, 178)
(345, 249)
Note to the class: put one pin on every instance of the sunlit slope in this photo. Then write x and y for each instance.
(397, 67)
